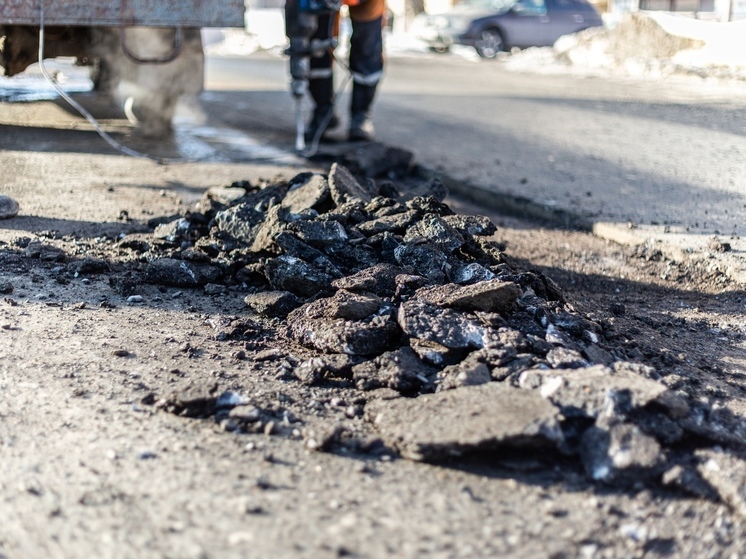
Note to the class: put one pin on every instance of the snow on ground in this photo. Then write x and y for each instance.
(32, 86)
(645, 44)
(724, 43)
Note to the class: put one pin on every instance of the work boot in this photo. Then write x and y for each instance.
(361, 123)
(324, 119)
(361, 128)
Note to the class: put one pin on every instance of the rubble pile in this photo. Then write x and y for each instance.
(450, 347)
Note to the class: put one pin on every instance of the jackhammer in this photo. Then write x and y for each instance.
(301, 22)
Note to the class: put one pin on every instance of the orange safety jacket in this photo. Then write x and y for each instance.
(365, 10)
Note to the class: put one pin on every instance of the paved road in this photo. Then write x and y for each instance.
(669, 156)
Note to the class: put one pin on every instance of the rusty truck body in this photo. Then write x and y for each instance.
(146, 51)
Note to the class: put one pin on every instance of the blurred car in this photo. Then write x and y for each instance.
(491, 26)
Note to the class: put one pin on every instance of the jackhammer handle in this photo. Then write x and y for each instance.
(300, 140)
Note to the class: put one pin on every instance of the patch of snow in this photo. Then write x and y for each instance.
(645, 45)
(31, 85)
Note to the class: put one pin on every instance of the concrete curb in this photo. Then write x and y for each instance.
(723, 253)
(720, 253)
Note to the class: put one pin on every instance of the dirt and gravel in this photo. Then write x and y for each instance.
(172, 382)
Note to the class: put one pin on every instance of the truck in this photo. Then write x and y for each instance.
(145, 54)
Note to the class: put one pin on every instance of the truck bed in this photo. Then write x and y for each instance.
(125, 13)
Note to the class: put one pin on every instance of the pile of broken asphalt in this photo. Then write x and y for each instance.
(443, 347)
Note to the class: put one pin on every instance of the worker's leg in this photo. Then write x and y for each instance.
(366, 64)
(321, 86)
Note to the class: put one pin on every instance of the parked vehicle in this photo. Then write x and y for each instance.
(491, 26)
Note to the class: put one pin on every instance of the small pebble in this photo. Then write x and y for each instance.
(8, 207)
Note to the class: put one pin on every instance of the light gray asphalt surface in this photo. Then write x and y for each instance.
(649, 152)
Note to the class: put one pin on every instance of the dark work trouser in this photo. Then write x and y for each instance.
(366, 64)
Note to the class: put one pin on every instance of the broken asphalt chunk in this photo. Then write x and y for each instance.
(399, 370)
(265, 233)
(47, 253)
(563, 358)
(316, 369)
(293, 246)
(371, 336)
(620, 452)
(436, 427)
(470, 372)
(472, 273)
(471, 225)
(726, 473)
(344, 304)
(286, 273)
(397, 223)
(345, 187)
(584, 392)
(426, 258)
(172, 231)
(178, 273)
(227, 195)
(240, 222)
(436, 354)
(319, 233)
(447, 327)
(307, 191)
(87, 266)
(436, 230)
(196, 399)
(488, 296)
(379, 279)
(273, 304)
(718, 424)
